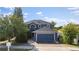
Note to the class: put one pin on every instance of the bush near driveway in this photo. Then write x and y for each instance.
(69, 33)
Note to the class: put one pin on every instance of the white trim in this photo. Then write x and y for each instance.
(39, 26)
(54, 37)
(36, 37)
(31, 25)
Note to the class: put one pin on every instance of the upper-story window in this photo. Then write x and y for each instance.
(39, 26)
(44, 25)
(48, 25)
(32, 26)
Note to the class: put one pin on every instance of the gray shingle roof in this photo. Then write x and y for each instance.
(44, 31)
(38, 22)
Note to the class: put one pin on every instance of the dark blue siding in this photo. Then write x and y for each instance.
(34, 38)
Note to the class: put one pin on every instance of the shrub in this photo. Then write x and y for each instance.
(29, 35)
(2, 39)
(69, 33)
(21, 38)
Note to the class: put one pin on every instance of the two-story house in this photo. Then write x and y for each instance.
(42, 31)
(37, 24)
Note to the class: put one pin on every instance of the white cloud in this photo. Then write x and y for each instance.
(10, 13)
(46, 17)
(0, 10)
(25, 20)
(39, 13)
(74, 10)
(61, 22)
(25, 14)
(74, 21)
(77, 11)
(10, 8)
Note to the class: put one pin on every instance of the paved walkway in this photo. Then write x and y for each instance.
(54, 47)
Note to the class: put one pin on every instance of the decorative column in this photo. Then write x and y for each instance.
(54, 38)
(36, 37)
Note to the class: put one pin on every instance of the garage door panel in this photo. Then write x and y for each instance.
(45, 38)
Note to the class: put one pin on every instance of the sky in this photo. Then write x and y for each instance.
(60, 15)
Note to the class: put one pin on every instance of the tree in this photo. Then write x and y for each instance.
(2, 30)
(69, 33)
(18, 13)
(20, 29)
(13, 25)
(5, 29)
(53, 24)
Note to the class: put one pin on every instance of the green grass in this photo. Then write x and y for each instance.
(76, 45)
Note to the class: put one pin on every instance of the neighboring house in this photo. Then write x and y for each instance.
(42, 31)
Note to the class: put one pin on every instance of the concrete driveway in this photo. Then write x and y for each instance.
(55, 47)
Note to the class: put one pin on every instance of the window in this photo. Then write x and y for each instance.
(39, 26)
(32, 26)
(44, 25)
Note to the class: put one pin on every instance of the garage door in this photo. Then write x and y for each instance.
(45, 38)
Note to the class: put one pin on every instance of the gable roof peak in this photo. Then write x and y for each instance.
(38, 22)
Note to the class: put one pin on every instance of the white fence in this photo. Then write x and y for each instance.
(12, 40)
